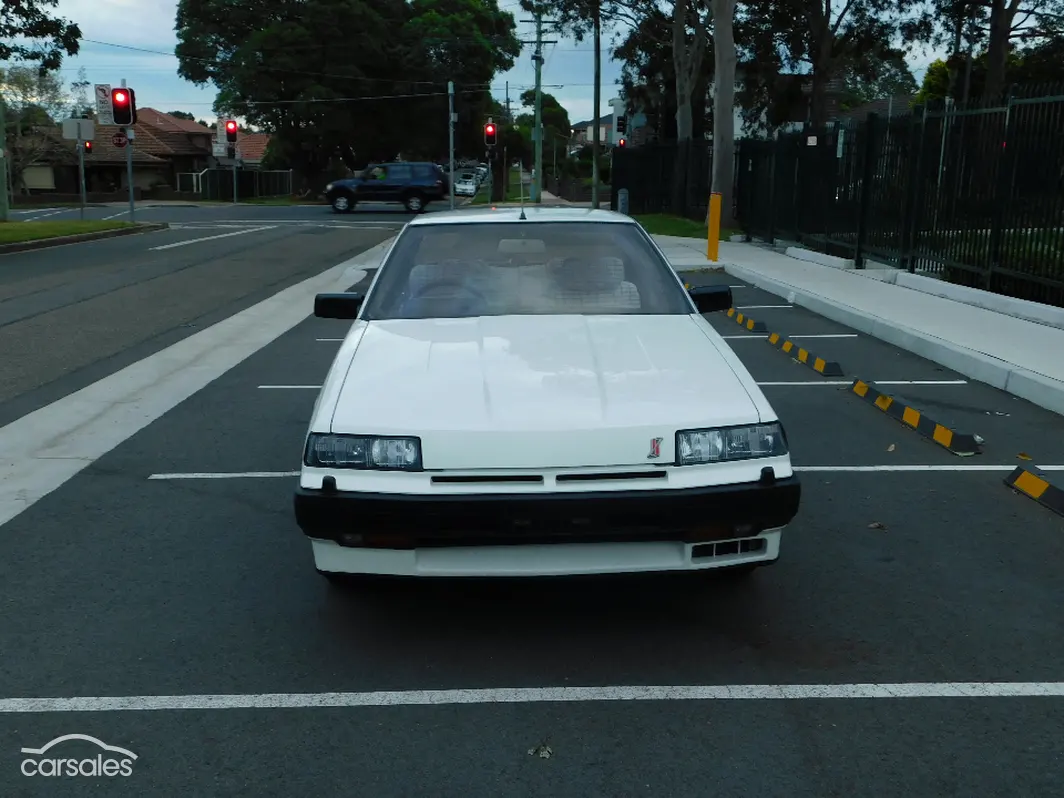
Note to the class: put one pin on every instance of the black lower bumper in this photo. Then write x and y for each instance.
(406, 521)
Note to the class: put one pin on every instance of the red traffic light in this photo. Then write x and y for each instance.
(490, 129)
(230, 131)
(120, 97)
(230, 126)
(123, 106)
(622, 142)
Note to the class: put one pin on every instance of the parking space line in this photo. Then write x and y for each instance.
(289, 386)
(536, 695)
(264, 475)
(329, 339)
(745, 308)
(820, 336)
(747, 336)
(847, 383)
(211, 238)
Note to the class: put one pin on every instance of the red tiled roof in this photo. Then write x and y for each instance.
(253, 146)
(168, 123)
(103, 151)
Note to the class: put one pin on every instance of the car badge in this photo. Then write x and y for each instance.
(655, 448)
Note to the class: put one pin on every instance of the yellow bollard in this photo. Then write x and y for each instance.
(713, 247)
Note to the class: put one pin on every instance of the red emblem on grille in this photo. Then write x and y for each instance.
(655, 448)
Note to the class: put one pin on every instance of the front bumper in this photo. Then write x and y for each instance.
(410, 522)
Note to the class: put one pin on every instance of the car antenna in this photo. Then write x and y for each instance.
(521, 180)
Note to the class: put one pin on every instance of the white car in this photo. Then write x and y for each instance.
(533, 391)
(465, 185)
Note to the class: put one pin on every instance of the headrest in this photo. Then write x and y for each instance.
(595, 275)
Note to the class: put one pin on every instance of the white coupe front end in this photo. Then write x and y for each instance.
(549, 423)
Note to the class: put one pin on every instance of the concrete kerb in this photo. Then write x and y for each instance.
(1029, 480)
(1041, 390)
(59, 241)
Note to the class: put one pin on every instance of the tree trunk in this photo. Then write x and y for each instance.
(687, 62)
(724, 106)
(596, 142)
(1002, 14)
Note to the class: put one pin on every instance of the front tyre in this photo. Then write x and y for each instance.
(343, 203)
(415, 203)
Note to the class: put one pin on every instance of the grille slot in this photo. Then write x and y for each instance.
(611, 475)
(486, 479)
(728, 548)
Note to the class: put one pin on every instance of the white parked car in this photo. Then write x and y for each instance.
(465, 185)
(531, 392)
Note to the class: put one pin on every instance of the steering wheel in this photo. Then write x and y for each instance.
(474, 296)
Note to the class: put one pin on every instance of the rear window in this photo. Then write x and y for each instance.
(496, 269)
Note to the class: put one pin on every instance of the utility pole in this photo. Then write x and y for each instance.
(596, 141)
(450, 132)
(4, 160)
(537, 133)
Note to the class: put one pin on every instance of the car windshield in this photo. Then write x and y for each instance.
(495, 269)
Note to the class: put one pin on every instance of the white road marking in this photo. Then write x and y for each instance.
(222, 475)
(537, 695)
(115, 215)
(744, 308)
(45, 215)
(211, 238)
(46, 448)
(736, 286)
(254, 475)
(876, 469)
(847, 382)
(820, 336)
(329, 339)
(748, 336)
(289, 386)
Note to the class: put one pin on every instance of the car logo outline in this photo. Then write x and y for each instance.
(655, 448)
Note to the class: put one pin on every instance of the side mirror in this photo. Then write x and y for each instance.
(342, 306)
(711, 298)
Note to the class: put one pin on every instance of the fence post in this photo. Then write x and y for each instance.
(1002, 195)
(910, 219)
(868, 176)
(774, 146)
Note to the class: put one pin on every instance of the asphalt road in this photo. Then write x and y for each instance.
(189, 213)
(117, 585)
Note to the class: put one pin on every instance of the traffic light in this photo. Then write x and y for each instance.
(88, 147)
(621, 123)
(230, 131)
(491, 134)
(123, 106)
(621, 142)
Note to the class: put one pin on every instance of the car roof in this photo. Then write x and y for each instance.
(532, 213)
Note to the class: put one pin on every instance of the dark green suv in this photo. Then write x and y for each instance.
(413, 184)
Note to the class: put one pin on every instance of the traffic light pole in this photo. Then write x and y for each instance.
(450, 131)
(537, 180)
(3, 163)
(129, 168)
(81, 170)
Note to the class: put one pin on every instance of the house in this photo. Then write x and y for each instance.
(584, 131)
(252, 147)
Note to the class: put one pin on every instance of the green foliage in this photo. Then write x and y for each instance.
(29, 33)
(369, 88)
(184, 116)
(875, 78)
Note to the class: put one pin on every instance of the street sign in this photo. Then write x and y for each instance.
(119, 140)
(75, 128)
(219, 149)
(104, 113)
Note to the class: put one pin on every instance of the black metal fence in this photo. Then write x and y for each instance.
(973, 196)
(647, 173)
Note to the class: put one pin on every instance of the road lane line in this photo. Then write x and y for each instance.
(256, 475)
(211, 238)
(115, 215)
(538, 695)
(45, 215)
(844, 383)
(48, 447)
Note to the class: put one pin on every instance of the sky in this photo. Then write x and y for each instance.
(146, 30)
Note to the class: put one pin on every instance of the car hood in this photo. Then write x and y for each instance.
(543, 391)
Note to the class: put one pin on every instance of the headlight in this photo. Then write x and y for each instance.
(695, 446)
(363, 452)
(328, 187)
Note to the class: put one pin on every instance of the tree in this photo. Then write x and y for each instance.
(183, 116)
(34, 100)
(29, 33)
(376, 88)
(79, 91)
(874, 78)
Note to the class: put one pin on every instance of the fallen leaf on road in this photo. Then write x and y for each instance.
(890, 448)
(877, 526)
(542, 750)
(1023, 456)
